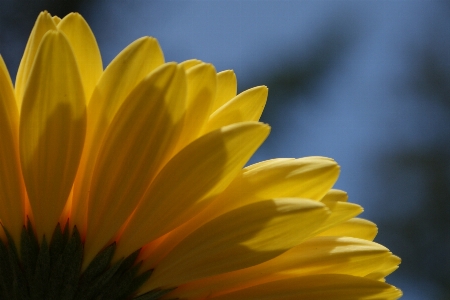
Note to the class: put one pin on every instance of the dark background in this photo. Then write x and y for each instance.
(364, 82)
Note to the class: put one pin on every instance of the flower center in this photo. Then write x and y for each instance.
(53, 270)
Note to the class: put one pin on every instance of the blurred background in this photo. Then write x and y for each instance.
(364, 82)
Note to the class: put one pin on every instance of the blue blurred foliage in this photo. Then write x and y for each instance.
(364, 82)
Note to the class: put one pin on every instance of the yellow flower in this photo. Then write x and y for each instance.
(131, 181)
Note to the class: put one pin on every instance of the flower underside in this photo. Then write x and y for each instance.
(53, 270)
(148, 160)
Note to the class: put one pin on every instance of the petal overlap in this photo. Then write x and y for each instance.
(325, 286)
(131, 181)
(166, 206)
(319, 255)
(231, 242)
(12, 196)
(128, 160)
(85, 50)
(121, 76)
(43, 24)
(247, 106)
(52, 130)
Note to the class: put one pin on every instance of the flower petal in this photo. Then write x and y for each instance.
(320, 255)
(190, 63)
(85, 49)
(128, 160)
(226, 88)
(324, 286)
(357, 228)
(43, 24)
(201, 170)
(52, 129)
(309, 177)
(386, 267)
(121, 76)
(247, 106)
(56, 20)
(239, 239)
(12, 190)
(341, 210)
(333, 196)
(201, 81)
(330, 255)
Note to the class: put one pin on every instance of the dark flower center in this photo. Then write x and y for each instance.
(53, 271)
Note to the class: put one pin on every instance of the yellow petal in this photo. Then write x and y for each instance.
(357, 228)
(264, 163)
(12, 195)
(309, 177)
(247, 106)
(56, 19)
(200, 171)
(325, 286)
(85, 49)
(386, 267)
(43, 24)
(329, 255)
(121, 76)
(320, 255)
(341, 211)
(241, 238)
(187, 64)
(137, 144)
(201, 81)
(333, 196)
(52, 130)
(226, 88)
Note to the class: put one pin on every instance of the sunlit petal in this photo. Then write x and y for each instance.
(341, 211)
(12, 194)
(201, 170)
(357, 228)
(324, 287)
(52, 130)
(241, 238)
(201, 80)
(226, 88)
(43, 24)
(320, 255)
(121, 76)
(247, 106)
(85, 48)
(310, 178)
(130, 183)
(128, 160)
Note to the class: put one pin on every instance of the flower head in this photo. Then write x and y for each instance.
(131, 181)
